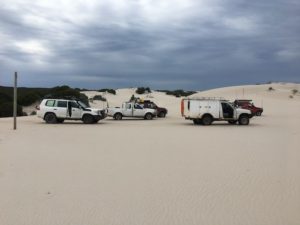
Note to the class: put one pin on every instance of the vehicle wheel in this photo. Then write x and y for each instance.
(243, 120)
(118, 116)
(50, 118)
(162, 115)
(258, 113)
(88, 119)
(148, 116)
(197, 121)
(207, 120)
(60, 120)
(232, 122)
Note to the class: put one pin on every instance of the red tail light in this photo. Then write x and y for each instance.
(182, 107)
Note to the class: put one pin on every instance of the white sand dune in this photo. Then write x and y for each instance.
(165, 171)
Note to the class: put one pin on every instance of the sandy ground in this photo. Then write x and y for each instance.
(165, 171)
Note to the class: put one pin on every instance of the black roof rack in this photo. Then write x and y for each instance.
(62, 97)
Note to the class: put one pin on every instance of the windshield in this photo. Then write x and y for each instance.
(137, 106)
(82, 104)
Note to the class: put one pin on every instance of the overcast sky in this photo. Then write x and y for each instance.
(190, 44)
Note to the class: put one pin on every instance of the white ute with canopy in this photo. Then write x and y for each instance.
(206, 110)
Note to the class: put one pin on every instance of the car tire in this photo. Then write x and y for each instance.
(118, 116)
(162, 115)
(50, 118)
(88, 119)
(232, 122)
(148, 116)
(244, 120)
(207, 120)
(258, 113)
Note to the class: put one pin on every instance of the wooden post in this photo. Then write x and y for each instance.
(15, 101)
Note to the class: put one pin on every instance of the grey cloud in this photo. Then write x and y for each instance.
(193, 46)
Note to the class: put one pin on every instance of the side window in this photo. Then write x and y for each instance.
(128, 106)
(62, 104)
(136, 106)
(226, 106)
(74, 105)
(189, 105)
(50, 103)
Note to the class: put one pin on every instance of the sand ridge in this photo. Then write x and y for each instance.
(165, 171)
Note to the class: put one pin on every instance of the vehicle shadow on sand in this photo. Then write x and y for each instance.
(220, 125)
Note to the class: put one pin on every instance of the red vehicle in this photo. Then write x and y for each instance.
(147, 104)
(248, 104)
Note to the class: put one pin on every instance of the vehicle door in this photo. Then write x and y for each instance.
(61, 108)
(138, 110)
(74, 110)
(227, 110)
(127, 109)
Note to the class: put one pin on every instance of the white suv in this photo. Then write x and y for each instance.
(58, 110)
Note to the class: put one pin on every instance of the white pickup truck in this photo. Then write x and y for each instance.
(131, 109)
(206, 110)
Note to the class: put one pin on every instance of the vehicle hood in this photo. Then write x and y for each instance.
(97, 111)
(94, 109)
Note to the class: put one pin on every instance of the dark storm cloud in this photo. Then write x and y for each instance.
(163, 44)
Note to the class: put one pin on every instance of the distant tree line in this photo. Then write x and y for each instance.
(99, 98)
(143, 90)
(178, 93)
(29, 96)
(111, 91)
(6, 106)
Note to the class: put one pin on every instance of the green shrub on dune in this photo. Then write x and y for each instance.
(111, 91)
(178, 93)
(28, 96)
(6, 109)
(29, 99)
(99, 98)
(143, 90)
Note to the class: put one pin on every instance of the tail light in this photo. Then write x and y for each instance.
(37, 107)
(182, 107)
